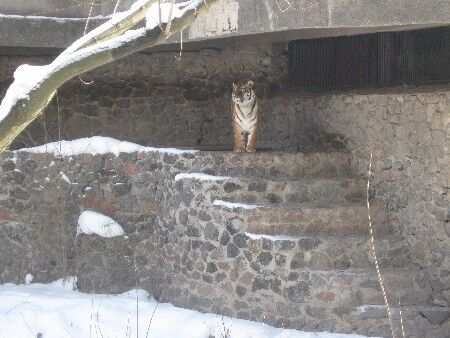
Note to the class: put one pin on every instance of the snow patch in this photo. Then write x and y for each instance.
(91, 222)
(99, 145)
(57, 310)
(200, 177)
(69, 283)
(364, 308)
(64, 177)
(28, 279)
(231, 205)
(178, 10)
(152, 16)
(272, 238)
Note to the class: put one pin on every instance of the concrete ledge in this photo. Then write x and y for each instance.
(232, 18)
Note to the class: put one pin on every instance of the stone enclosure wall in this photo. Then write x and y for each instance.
(200, 257)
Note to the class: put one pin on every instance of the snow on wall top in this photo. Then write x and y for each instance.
(98, 145)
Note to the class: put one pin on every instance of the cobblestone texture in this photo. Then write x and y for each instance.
(189, 252)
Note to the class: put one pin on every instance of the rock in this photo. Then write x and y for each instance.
(230, 187)
(8, 165)
(264, 258)
(211, 232)
(284, 245)
(308, 243)
(298, 261)
(297, 292)
(225, 238)
(259, 283)
(240, 240)
(257, 186)
(232, 250)
(436, 316)
(211, 267)
(19, 193)
(241, 291)
(315, 311)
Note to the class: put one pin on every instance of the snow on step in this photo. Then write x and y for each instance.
(272, 238)
(230, 205)
(305, 219)
(200, 177)
(91, 222)
(57, 310)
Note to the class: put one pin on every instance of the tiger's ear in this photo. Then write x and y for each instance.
(250, 84)
(235, 86)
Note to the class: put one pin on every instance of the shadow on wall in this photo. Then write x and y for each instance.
(187, 117)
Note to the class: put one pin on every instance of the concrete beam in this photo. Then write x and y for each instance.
(231, 18)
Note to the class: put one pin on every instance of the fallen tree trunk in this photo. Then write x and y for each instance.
(35, 86)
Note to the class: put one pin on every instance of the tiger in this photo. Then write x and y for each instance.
(244, 114)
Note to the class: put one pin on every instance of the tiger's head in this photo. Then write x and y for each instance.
(243, 94)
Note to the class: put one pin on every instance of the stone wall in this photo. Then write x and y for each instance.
(188, 251)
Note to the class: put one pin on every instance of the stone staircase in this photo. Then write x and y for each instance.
(301, 222)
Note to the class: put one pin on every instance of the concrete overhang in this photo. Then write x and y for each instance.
(57, 26)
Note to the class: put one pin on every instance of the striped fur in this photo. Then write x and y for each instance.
(244, 112)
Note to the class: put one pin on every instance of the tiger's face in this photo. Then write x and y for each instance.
(243, 94)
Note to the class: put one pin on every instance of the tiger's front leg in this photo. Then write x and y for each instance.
(239, 139)
(251, 143)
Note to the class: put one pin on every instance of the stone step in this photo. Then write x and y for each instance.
(372, 320)
(248, 190)
(345, 288)
(362, 287)
(272, 165)
(327, 253)
(307, 219)
(417, 321)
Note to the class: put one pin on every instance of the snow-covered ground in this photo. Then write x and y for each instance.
(56, 310)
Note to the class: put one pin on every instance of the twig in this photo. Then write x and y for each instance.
(90, 323)
(84, 33)
(59, 122)
(169, 24)
(117, 5)
(151, 319)
(178, 58)
(372, 239)
(282, 10)
(137, 312)
(26, 323)
(159, 14)
(88, 18)
(401, 318)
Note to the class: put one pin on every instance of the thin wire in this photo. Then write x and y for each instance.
(372, 239)
(289, 5)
